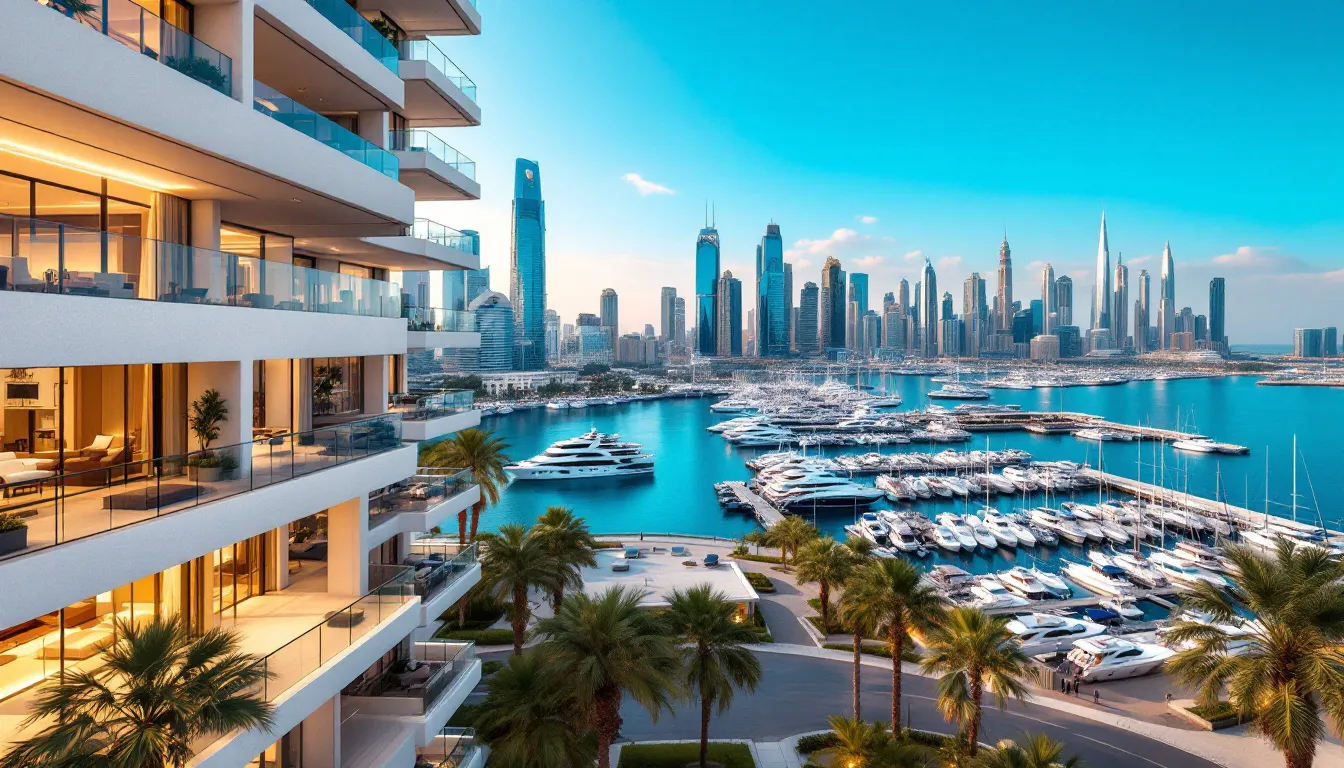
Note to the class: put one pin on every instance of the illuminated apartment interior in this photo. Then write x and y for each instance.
(241, 221)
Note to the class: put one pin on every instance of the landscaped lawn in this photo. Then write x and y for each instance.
(678, 755)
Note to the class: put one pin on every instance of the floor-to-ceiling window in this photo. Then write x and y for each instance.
(338, 389)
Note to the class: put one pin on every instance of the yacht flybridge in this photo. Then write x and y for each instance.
(592, 454)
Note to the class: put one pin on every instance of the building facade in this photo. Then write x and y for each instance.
(832, 306)
(772, 317)
(805, 335)
(706, 283)
(1064, 300)
(1101, 288)
(1218, 314)
(609, 310)
(527, 283)
(729, 321)
(217, 204)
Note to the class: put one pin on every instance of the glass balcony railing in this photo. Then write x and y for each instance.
(428, 52)
(443, 235)
(136, 28)
(86, 494)
(277, 105)
(49, 257)
(452, 748)
(424, 141)
(358, 28)
(434, 319)
(426, 406)
(434, 666)
(427, 489)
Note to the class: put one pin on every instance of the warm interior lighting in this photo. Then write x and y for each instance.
(83, 166)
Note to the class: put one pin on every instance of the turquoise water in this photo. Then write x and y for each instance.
(679, 497)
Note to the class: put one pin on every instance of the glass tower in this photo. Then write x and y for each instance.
(706, 290)
(527, 283)
(772, 320)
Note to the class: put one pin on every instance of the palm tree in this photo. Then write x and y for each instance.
(1292, 671)
(828, 563)
(569, 542)
(480, 452)
(862, 622)
(159, 690)
(975, 652)
(889, 592)
(714, 655)
(789, 534)
(1040, 751)
(607, 647)
(512, 563)
(870, 745)
(528, 718)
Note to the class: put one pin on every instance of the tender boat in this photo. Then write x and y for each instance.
(1124, 607)
(1105, 579)
(1052, 582)
(1047, 633)
(1109, 658)
(592, 454)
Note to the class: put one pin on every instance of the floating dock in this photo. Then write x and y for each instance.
(1160, 596)
(1245, 518)
(765, 514)
(1056, 422)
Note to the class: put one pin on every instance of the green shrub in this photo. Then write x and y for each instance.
(477, 636)
(490, 667)
(762, 631)
(11, 522)
(760, 558)
(817, 741)
(1223, 710)
(465, 716)
(608, 545)
(678, 755)
(910, 655)
(759, 581)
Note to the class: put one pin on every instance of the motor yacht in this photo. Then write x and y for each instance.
(1179, 570)
(920, 487)
(948, 540)
(1041, 633)
(959, 487)
(1140, 571)
(1024, 583)
(949, 578)
(953, 522)
(592, 454)
(1052, 582)
(1197, 554)
(1020, 479)
(1065, 527)
(1044, 536)
(1102, 435)
(1204, 445)
(983, 536)
(998, 482)
(874, 530)
(989, 593)
(759, 434)
(954, 391)
(1240, 632)
(1104, 579)
(1125, 607)
(820, 489)
(903, 538)
(895, 488)
(1109, 658)
(937, 485)
(1002, 530)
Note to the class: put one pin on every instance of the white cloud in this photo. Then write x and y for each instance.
(948, 263)
(646, 187)
(914, 255)
(802, 263)
(1248, 256)
(839, 240)
(866, 219)
(868, 262)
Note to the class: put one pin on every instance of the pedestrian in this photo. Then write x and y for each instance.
(1168, 698)
(1076, 682)
(1096, 696)
(1064, 685)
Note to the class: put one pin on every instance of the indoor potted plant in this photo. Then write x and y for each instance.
(207, 413)
(13, 533)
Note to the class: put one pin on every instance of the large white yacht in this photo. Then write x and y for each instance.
(592, 454)
(1110, 658)
(820, 489)
(1106, 579)
(955, 391)
(1045, 632)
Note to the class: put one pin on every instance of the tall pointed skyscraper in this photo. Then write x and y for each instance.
(831, 306)
(929, 312)
(1005, 294)
(1049, 301)
(1142, 316)
(1120, 304)
(1101, 290)
(527, 280)
(772, 324)
(1166, 307)
(706, 290)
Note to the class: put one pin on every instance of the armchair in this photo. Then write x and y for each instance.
(81, 471)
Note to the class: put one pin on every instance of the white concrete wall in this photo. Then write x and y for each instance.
(419, 522)
(47, 330)
(429, 249)
(442, 339)
(324, 40)
(58, 576)
(433, 429)
(449, 595)
(49, 53)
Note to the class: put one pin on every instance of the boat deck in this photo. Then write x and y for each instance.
(765, 514)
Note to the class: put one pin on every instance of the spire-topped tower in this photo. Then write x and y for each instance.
(1005, 292)
(1166, 301)
(1101, 291)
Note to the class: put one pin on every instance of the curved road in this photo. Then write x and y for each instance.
(797, 693)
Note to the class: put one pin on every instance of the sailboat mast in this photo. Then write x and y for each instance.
(1294, 478)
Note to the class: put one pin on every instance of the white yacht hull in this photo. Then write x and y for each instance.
(574, 473)
(1100, 674)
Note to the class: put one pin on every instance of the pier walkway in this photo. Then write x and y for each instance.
(1245, 518)
(1089, 600)
(765, 514)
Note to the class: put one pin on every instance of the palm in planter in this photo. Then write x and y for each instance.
(13, 533)
(207, 413)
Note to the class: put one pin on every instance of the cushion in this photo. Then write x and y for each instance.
(25, 475)
(101, 443)
(7, 456)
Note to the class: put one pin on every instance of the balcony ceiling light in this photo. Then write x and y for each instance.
(84, 166)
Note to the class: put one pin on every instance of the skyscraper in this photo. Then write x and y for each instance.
(729, 322)
(610, 311)
(831, 309)
(1064, 300)
(1166, 309)
(857, 307)
(706, 284)
(1142, 313)
(527, 281)
(495, 320)
(858, 290)
(667, 314)
(975, 315)
(772, 320)
(872, 332)
(806, 332)
(1049, 300)
(853, 326)
(679, 325)
(1005, 294)
(1120, 303)
(788, 306)
(1101, 290)
(929, 312)
(903, 295)
(474, 281)
(552, 323)
(1217, 314)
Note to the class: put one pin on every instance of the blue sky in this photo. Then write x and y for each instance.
(887, 132)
